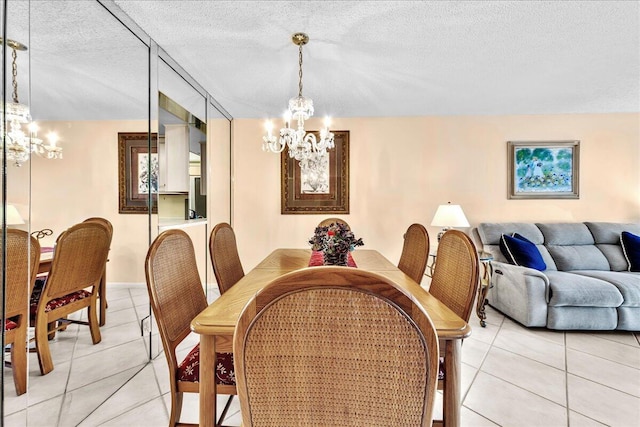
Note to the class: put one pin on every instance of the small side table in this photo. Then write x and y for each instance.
(485, 284)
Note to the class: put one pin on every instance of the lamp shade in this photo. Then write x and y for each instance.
(13, 216)
(449, 216)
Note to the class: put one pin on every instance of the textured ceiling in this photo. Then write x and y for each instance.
(403, 58)
(365, 58)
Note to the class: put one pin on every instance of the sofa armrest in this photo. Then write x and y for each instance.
(520, 292)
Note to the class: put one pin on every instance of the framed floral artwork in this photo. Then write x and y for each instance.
(319, 186)
(543, 170)
(137, 173)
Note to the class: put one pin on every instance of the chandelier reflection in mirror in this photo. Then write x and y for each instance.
(20, 144)
(304, 147)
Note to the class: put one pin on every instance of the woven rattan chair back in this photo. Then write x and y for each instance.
(22, 260)
(456, 275)
(80, 255)
(174, 286)
(353, 349)
(102, 290)
(224, 256)
(176, 296)
(72, 285)
(328, 221)
(415, 252)
(104, 221)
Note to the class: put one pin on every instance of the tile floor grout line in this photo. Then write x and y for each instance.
(113, 394)
(566, 378)
(484, 358)
(475, 376)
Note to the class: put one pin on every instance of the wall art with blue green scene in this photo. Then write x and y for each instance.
(548, 170)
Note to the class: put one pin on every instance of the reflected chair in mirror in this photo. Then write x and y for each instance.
(22, 259)
(328, 221)
(351, 349)
(415, 252)
(76, 269)
(102, 289)
(455, 281)
(223, 250)
(177, 296)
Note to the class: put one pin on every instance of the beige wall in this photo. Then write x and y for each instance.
(84, 184)
(403, 168)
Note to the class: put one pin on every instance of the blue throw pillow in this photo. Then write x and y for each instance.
(631, 248)
(521, 251)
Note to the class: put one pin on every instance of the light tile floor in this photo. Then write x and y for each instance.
(511, 376)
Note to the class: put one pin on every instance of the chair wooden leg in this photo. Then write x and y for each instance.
(94, 326)
(51, 327)
(19, 360)
(42, 344)
(102, 293)
(176, 408)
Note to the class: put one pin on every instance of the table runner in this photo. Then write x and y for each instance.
(317, 259)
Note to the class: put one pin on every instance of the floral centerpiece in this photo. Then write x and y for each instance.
(335, 241)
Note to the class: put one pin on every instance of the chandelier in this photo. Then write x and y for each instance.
(302, 146)
(19, 145)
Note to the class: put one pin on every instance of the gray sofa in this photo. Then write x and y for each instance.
(586, 284)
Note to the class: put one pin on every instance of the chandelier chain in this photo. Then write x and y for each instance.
(300, 71)
(14, 75)
(308, 148)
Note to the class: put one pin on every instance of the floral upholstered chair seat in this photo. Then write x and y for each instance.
(189, 369)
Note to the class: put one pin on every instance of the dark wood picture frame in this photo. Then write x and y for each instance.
(543, 169)
(336, 201)
(131, 145)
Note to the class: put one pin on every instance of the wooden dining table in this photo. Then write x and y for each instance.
(216, 323)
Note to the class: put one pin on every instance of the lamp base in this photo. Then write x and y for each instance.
(441, 233)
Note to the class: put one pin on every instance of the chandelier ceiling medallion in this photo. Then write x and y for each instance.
(19, 145)
(302, 146)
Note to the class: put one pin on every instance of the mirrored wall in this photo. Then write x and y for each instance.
(90, 75)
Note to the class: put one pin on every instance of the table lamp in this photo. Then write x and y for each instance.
(448, 216)
(13, 216)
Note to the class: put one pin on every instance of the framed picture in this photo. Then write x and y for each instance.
(320, 186)
(137, 173)
(543, 170)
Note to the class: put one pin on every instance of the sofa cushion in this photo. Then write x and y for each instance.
(579, 257)
(566, 233)
(572, 247)
(568, 289)
(520, 251)
(631, 249)
(607, 238)
(627, 283)
(490, 234)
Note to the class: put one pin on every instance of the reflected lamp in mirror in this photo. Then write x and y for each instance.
(13, 216)
(449, 216)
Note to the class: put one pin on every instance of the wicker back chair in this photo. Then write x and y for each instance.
(22, 260)
(77, 267)
(102, 289)
(415, 252)
(224, 256)
(354, 350)
(177, 296)
(328, 221)
(455, 280)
